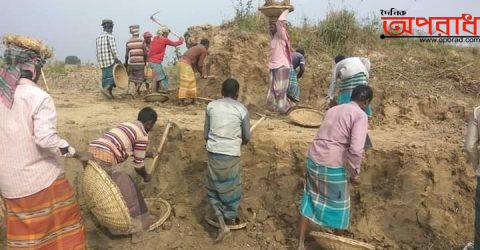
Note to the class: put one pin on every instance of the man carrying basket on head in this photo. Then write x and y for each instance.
(114, 148)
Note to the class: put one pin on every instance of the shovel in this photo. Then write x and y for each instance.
(160, 147)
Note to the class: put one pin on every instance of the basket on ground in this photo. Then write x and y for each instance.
(120, 76)
(106, 203)
(333, 242)
(306, 117)
(156, 97)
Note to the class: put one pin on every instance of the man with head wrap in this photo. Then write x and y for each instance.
(156, 55)
(135, 58)
(42, 212)
(107, 57)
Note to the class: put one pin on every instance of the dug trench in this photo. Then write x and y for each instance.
(409, 198)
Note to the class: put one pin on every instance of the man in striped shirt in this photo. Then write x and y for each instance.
(107, 57)
(114, 148)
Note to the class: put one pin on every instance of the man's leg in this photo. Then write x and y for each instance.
(303, 226)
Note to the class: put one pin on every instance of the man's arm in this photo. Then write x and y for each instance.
(358, 136)
(246, 136)
(333, 83)
(281, 26)
(200, 64)
(139, 154)
(471, 141)
(126, 54)
(113, 47)
(175, 43)
(206, 126)
(44, 126)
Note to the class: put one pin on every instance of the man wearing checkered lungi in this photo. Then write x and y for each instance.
(107, 57)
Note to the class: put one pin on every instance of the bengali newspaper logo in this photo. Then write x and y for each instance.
(459, 29)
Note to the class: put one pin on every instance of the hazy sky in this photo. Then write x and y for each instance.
(71, 26)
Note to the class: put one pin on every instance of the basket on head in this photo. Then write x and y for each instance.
(333, 242)
(273, 11)
(120, 76)
(28, 43)
(104, 199)
(306, 117)
(156, 97)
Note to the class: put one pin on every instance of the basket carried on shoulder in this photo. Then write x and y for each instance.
(333, 242)
(306, 117)
(104, 199)
(106, 203)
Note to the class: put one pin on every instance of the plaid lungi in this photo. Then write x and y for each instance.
(346, 87)
(107, 77)
(277, 91)
(293, 89)
(49, 219)
(326, 200)
(187, 85)
(224, 184)
(159, 75)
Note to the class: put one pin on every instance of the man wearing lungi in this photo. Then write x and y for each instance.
(227, 127)
(471, 148)
(42, 212)
(156, 56)
(298, 68)
(340, 141)
(135, 58)
(280, 66)
(107, 57)
(114, 148)
(348, 72)
(193, 59)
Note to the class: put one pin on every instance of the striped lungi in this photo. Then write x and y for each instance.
(187, 85)
(159, 75)
(277, 91)
(326, 200)
(293, 89)
(49, 219)
(346, 87)
(224, 184)
(107, 77)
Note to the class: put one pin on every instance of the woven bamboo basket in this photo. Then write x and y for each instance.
(159, 208)
(306, 117)
(120, 76)
(333, 242)
(156, 97)
(273, 11)
(104, 199)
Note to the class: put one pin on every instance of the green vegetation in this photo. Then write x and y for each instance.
(246, 18)
(55, 67)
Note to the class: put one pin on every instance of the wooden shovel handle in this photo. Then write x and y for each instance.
(256, 124)
(160, 147)
(44, 81)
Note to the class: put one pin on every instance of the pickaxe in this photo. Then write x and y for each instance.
(157, 22)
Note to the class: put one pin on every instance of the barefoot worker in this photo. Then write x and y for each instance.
(340, 141)
(156, 55)
(280, 65)
(107, 57)
(227, 127)
(42, 212)
(113, 148)
(192, 60)
(298, 68)
(472, 149)
(135, 58)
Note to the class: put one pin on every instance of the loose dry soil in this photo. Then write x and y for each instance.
(417, 190)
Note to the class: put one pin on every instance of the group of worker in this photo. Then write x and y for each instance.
(144, 59)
